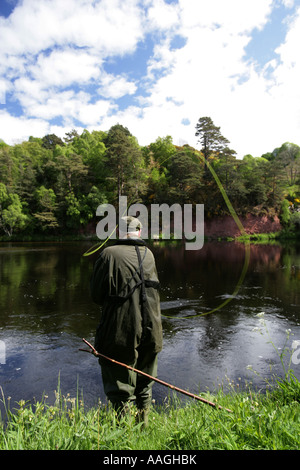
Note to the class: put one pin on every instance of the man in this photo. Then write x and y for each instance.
(125, 284)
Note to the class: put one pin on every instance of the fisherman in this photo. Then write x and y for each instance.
(125, 284)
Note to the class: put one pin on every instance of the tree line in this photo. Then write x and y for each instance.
(53, 186)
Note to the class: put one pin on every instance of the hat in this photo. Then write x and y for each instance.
(130, 224)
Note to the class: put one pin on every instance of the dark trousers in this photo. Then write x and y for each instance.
(122, 385)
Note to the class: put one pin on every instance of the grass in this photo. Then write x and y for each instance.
(271, 238)
(268, 420)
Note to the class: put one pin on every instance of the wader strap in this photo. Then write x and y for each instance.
(143, 290)
(144, 283)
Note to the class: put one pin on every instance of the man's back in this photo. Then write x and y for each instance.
(125, 283)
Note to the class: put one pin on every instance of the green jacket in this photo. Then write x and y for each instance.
(130, 307)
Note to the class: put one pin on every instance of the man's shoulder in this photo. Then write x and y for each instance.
(117, 249)
(121, 247)
(110, 251)
(120, 244)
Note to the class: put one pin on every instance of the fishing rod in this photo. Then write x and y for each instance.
(95, 353)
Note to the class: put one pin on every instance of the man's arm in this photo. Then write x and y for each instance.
(99, 283)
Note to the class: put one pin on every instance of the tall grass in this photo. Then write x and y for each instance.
(257, 421)
(269, 420)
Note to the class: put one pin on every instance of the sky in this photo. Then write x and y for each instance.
(154, 66)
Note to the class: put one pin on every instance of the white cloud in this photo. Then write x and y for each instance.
(285, 89)
(92, 114)
(116, 87)
(70, 106)
(47, 46)
(15, 130)
(62, 104)
(29, 92)
(65, 67)
(5, 87)
(41, 24)
(210, 76)
(202, 77)
(289, 50)
(288, 3)
(161, 15)
(81, 33)
(233, 15)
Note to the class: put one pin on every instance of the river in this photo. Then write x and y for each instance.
(209, 307)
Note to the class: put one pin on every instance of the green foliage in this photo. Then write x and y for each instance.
(285, 212)
(12, 217)
(210, 136)
(125, 162)
(295, 221)
(184, 179)
(46, 205)
(50, 141)
(162, 150)
(54, 186)
(258, 421)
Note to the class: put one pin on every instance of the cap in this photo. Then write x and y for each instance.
(130, 224)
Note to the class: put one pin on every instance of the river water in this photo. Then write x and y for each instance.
(209, 307)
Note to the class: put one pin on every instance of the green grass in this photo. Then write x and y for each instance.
(268, 420)
(271, 238)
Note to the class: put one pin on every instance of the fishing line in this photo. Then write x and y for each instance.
(98, 247)
(247, 248)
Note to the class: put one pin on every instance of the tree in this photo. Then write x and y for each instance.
(125, 162)
(162, 150)
(92, 149)
(252, 172)
(285, 213)
(46, 203)
(185, 177)
(226, 167)
(70, 136)
(73, 211)
(11, 212)
(82, 209)
(289, 155)
(210, 137)
(29, 158)
(274, 181)
(71, 167)
(50, 141)
(8, 166)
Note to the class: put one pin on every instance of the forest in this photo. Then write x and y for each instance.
(52, 187)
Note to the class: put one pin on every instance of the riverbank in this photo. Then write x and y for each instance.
(269, 421)
(256, 228)
(264, 237)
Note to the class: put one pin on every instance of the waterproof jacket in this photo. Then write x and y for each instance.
(125, 284)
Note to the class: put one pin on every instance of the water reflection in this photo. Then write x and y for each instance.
(45, 310)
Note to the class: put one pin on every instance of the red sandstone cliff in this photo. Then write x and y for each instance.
(226, 226)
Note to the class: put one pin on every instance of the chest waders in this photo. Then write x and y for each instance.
(141, 282)
(143, 289)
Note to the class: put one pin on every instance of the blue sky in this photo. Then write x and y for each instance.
(155, 66)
